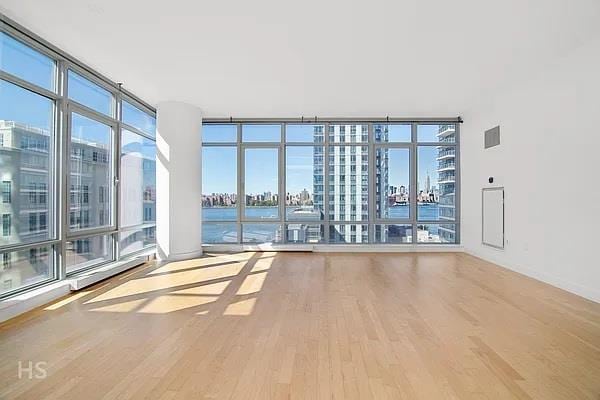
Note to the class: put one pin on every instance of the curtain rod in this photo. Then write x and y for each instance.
(316, 119)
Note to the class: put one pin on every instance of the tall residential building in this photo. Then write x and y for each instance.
(446, 182)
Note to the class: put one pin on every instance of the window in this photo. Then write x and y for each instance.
(219, 133)
(6, 192)
(392, 182)
(436, 185)
(261, 233)
(392, 133)
(304, 133)
(138, 179)
(133, 116)
(261, 133)
(436, 233)
(28, 137)
(303, 232)
(219, 232)
(136, 240)
(32, 222)
(24, 62)
(6, 224)
(89, 94)
(332, 182)
(89, 136)
(394, 234)
(26, 267)
(26, 120)
(445, 133)
(350, 234)
(88, 252)
(304, 183)
(219, 184)
(261, 182)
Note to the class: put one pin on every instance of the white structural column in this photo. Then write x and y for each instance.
(178, 181)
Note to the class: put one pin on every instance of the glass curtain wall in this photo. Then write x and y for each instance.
(330, 182)
(56, 120)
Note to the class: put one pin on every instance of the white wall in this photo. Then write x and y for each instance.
(549, 164)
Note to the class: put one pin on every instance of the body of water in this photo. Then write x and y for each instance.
(227, 231)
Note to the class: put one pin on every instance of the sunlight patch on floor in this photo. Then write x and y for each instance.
(206, 262)
(168, 281)
(166, 303)
(252, 283)
(68, 300)
(213, 288)
(123, 307)
(241, 308)
(262, 264)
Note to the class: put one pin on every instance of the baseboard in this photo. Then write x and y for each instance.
(335, 248)
(180, 256)
(21, 303)
(571, 287)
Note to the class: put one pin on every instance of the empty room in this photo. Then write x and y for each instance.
(299, 200)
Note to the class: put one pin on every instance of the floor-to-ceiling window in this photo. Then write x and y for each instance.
(330, 182)
(77, 166)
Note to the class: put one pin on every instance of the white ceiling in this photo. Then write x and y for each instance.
(282, 58)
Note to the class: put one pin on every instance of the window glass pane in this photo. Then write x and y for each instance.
(89, 94)
(26, 267)
(26, 153)
(261, 233)
(436, 133)
(348, 233)
(87, 252)
(90, 174)
(436, 184)
(223, 232)
(393, 234)
(392, 133)
(304, 183)
(348, 183)
(138, 180)
(137, 118)
(212, 133)
(261, 133)
(303, 133)
(261, 183)
(20, 60)
(349, 133)
(136, 240)
(219, 183)
(436, 233)
(392, 173)
(304, 233)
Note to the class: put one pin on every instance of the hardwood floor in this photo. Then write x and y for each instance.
(309, 326)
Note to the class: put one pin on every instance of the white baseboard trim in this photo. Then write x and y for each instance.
(21, 303)
(334, 248)
(589, 293)
(27, 301)
(181, 256)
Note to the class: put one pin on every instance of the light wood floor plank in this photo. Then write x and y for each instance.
(269, 325)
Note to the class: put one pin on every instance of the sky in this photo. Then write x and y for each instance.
(261, 165)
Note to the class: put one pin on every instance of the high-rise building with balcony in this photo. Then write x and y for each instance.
(446, 182)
